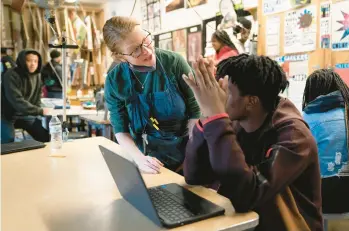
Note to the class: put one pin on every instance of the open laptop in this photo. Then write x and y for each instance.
(24, 145)
(168, 205)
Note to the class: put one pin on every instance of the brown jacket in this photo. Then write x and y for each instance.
(274, 172)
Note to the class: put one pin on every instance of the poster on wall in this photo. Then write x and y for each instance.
(325, 25)
(179, 38)
(273, 36)
(300, 30)
(342, 69)
(172, 5)
(194, 43)
(276, 6)
(340, 26)
(165, 41)
(193, 3)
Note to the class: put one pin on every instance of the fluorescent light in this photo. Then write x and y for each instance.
(70, 1)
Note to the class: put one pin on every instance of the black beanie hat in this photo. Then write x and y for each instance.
(55, 54)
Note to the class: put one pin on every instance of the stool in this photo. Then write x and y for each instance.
(333, 216)
(77, 135)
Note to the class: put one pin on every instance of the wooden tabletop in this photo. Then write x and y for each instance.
(78, 193)
(98, 119)
(76, 111)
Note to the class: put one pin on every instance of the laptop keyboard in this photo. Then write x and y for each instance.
(168, 205)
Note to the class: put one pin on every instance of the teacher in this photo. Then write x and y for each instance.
(152, 110)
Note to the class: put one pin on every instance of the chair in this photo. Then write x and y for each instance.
(77, 135)
(333, 216)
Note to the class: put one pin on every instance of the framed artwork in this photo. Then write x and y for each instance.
(157, 23)
(179, 38)
(172, 5)
(165, 41)
(151, 11)
(194, 43)
(194, 3)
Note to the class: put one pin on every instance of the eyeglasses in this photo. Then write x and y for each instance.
(147, 41)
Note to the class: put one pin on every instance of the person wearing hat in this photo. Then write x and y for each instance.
(52, 75)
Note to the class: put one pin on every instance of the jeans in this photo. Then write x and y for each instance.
(31, 124)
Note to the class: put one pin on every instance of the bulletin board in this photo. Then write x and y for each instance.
(321, 55)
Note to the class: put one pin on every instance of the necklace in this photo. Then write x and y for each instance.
(146, 78)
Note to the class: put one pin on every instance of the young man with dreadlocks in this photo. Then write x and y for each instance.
(325, 106)
(254, 145)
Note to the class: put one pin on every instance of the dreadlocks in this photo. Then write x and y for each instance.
(223, 37)
(255, 75)
(323, 82)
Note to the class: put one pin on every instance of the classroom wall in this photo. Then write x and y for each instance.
(319, 58)
(174, 20)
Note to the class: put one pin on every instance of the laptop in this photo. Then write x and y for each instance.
(168, 205)
(24, 145)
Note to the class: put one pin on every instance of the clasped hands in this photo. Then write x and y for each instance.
(209, 94)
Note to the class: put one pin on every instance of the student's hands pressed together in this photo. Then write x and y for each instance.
(210, 95)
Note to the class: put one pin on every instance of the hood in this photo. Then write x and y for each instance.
(284, 112)
(325, 103)
(21, 61)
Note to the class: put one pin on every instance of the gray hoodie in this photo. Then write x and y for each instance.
(21, 90)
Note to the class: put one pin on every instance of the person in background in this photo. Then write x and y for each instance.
(7, 61)
(223, 46)
(21, 99)
(325, 107)
(253, 146)
(152, 110)
(52, 75)
(245, 34)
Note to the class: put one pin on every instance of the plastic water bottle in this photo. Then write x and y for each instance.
(55, 126)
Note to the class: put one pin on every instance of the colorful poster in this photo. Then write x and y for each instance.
(180, 42)
(300, 30)
(273, 36)
(296, 3)
(340, 26)
(276, 6)
(342, 69)
(325, 25)
(172, 5)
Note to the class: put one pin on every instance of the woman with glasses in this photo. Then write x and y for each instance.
(152, 110)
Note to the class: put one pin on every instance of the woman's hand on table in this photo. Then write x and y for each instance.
(148, 164)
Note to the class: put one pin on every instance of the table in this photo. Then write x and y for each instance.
(78, 193)
(100, 122)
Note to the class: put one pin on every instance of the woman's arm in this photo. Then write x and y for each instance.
(146, 163)
(120, 121)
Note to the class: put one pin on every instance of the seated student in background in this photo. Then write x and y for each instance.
(20, 98)
(7, 61)
(254, 145)
(223, 46)
(325, 106)
(51, 75)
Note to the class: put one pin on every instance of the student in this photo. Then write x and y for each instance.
(52, 75)
(7, 61)
(20, 99)
(223, 46)
(325, 106)
(245, 34)
(150, 105)
(254, 144)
